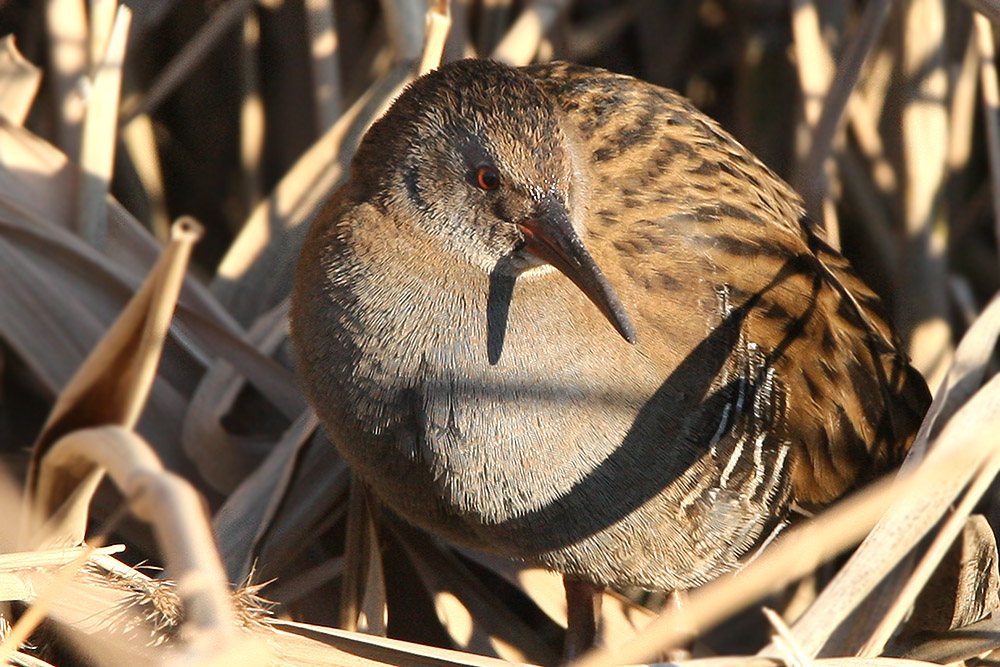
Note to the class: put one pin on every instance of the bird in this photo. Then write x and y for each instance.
(558, 314)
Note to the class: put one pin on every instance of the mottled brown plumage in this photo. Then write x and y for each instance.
(486, 397)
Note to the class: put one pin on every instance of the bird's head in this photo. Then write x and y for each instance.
(472, 157)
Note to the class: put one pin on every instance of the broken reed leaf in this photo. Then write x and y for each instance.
(175, 511)
(113, 383)
(36, 180)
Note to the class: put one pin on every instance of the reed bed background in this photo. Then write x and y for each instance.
(165, 152)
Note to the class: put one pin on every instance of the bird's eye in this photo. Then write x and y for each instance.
(487, 178)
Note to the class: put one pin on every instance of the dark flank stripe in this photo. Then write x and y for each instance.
(815, 391)
(668, 282)
(718, 211)
(775, 311)
(706, 168)
(827, 340)
(740, 247)
(602, 154)
(740, 174)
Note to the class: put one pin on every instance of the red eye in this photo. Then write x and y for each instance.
(487, 178)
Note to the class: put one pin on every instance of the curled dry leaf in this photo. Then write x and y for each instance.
(112, 385)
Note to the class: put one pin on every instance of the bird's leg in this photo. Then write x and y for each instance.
(583, 607)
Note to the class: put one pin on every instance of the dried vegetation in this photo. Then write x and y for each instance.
(176, 435)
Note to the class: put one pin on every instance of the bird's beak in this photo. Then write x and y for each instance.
(550, 236)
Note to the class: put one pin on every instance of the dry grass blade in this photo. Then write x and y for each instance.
(953, 525)
(271, 513)
(520, 44)
(323, 48)
(362, 650)
(224, 459)
(112, 385)
(67, 31)
(362, 596)
(812, 181)
(19, 81)
(36, 612)
(25, 660)
(438, 25)
(256, 273)
(786, 641)
(275, 382)
(991, 106)
(100, 130)
(36, 180)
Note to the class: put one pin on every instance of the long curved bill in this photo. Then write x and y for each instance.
(550, 236)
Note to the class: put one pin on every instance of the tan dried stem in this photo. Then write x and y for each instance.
(815, 69)
(438, 25)
(252, 121)
(813, 179)
(520, 44)
(991, 107)
(66, 29)
(100, 133)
